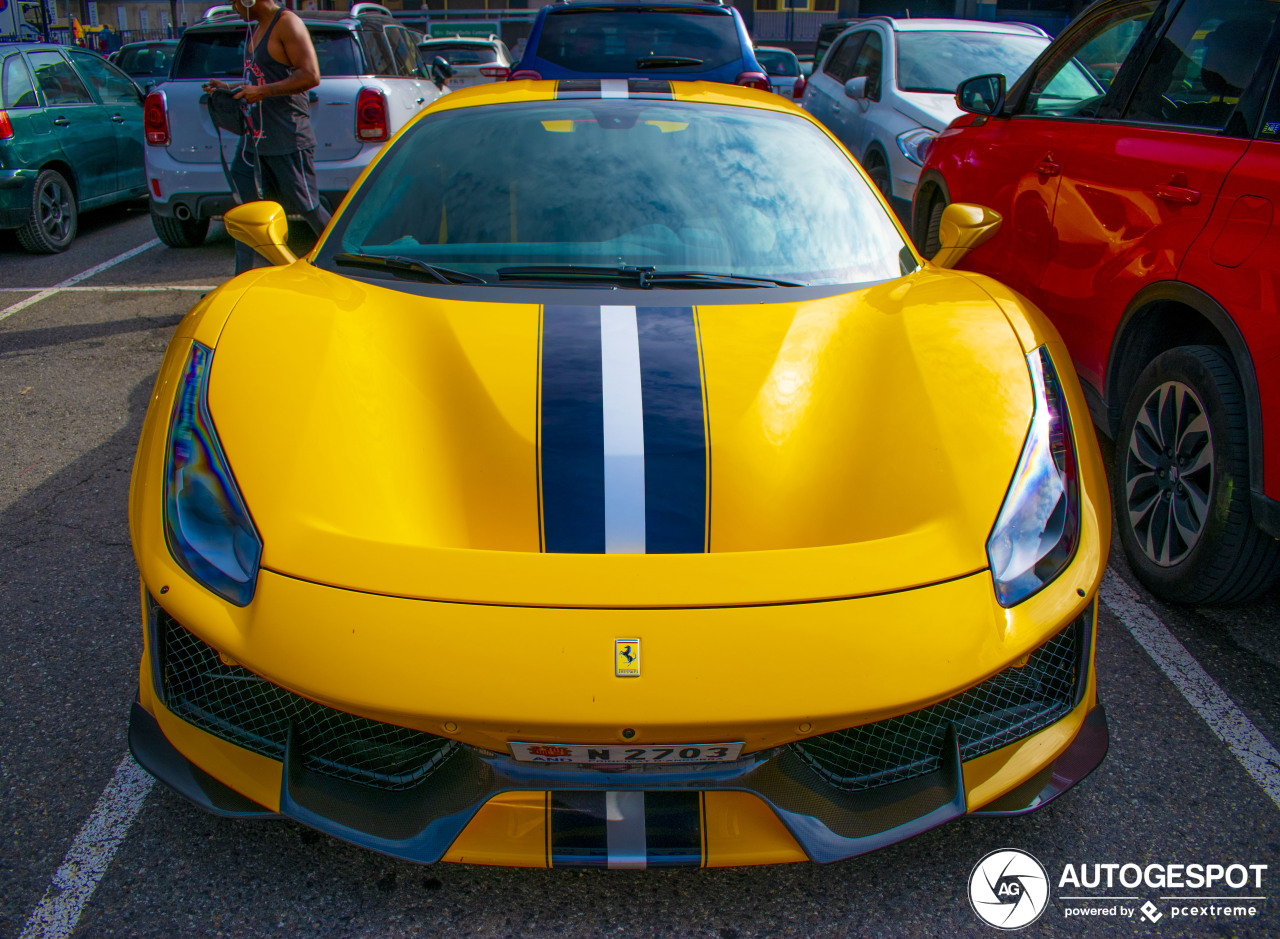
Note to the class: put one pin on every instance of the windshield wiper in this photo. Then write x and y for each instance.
(666, 61)
(645, 278)
(401, 265)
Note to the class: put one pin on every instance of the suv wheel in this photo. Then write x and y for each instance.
(1182, 483)
(51, 226)
(878, 170)
(931, 243)
(179, 234)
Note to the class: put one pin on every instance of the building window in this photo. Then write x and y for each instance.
(766, 4)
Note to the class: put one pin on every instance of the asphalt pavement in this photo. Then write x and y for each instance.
(88, 849)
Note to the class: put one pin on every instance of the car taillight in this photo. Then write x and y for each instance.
(797, 90)
(371, 115)
(753, 80)
(523, 73)
(155, 121)
(495, 71)
(6, 128)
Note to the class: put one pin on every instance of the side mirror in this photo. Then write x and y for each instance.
(856, 88)
(981, 95)
(263, 227)
(964, 226)
(441, 71)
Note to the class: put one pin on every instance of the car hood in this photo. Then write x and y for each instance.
(934, 111)
(415, 446)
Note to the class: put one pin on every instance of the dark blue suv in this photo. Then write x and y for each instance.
(689, 40)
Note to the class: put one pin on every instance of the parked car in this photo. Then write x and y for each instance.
(689, 40)
(632, 381)
(781, 66)
(806, 64)
(70, 140)
(1136, 164)
(887, 87)
(827, 34)
(474, 61)
(147, 63)
(371, 84)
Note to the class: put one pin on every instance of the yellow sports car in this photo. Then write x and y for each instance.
(615, 485)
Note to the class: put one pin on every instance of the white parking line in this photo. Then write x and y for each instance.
(90, 854)
(76, 278)
(115, 288)
(1254, 751)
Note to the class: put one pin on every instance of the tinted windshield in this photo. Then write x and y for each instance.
(670, 185)
(623, 40)
(153, 60)
(929, 61)
(220, 53)
(461, 53)
(778, 63)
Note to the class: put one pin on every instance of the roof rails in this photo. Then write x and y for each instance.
(358, 8)
(222, 9)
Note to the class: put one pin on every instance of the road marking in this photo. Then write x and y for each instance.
(114, 288)
(76, 278)
(90, 854)
(1254, 751)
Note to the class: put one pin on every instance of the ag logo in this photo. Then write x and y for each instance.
(1009, 889)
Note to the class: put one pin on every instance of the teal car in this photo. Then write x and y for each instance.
(71, 139)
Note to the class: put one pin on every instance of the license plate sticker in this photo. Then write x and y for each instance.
(614, 754)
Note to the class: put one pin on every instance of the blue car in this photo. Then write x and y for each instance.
(688, 40)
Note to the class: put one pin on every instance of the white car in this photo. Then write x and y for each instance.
(372, 83)
(886, 87)
(475, 61)
(782, 67)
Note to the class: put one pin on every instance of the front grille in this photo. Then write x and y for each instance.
(1007, 707)
(233, 703)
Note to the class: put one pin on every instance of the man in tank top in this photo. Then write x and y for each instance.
(278, 153)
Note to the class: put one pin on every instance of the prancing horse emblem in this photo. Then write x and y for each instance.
(626, 658)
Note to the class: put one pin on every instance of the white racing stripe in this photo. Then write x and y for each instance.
(623, 431)
(624, 828)
(614, 88)
(90, 854)
(1247, 744)
(76, 278)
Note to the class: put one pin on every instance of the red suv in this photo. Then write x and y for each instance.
(1137, 167)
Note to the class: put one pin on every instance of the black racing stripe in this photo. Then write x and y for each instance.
(578, 88)
(675, 446)
(578, 834)
(572, 430)
(649, 88)
(673, 828)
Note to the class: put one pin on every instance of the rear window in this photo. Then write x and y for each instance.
(778, 63)
(146, 60)
(639, 40)
(461, 53)
(220, 54)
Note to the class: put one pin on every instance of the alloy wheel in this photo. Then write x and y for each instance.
(55, 210)
(1169, 473)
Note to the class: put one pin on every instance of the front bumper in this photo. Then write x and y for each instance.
(481, 806)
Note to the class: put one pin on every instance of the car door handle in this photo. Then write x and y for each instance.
(1048, 168)
(117, 118)
(61, 121)
(1179, 195)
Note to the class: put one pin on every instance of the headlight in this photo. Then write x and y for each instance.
(915, 144)
(207, 525)
(1038, 528)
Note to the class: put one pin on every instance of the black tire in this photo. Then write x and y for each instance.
(933, 228)
(51, 226)
(878, 170)
(1181, 486)
(179, 234)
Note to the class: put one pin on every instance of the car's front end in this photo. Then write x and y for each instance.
(458, 553)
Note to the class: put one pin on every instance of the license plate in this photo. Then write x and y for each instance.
(611, 753)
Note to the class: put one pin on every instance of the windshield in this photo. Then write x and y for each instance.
(672, 186)
(778, 62)
(626, 40)
(938, 62)
(220, 53)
